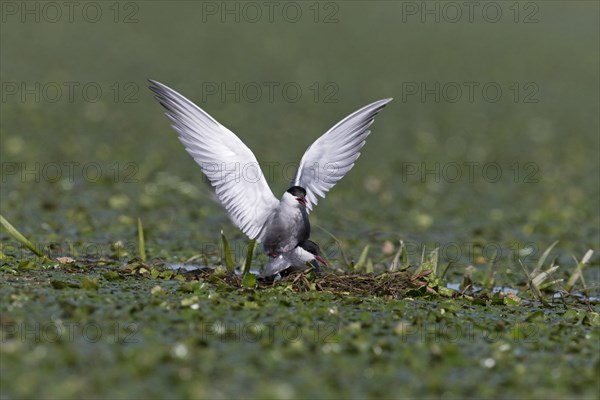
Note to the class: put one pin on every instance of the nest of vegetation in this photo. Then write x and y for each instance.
(387, 284)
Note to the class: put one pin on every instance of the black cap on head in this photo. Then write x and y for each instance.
(297, 191)
(310, 246)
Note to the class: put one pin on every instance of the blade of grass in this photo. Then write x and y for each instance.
(577, 274)
(542, 259)
(19, 237)
(489, 276)
(542, 276)
(74, 252)
(422, 263)
(434, 257)
(396, 261)
(550, 284)
(585, 288)
(248, 279)
(369, 269)
(405, 264)
(532, 287)
(467, 281)
(227, 256)
(141, 241)
(362, 258)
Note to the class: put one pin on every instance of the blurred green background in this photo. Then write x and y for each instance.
(79, 167)
(540, 132)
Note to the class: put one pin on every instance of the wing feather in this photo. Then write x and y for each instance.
(221, 156)
(332, 155)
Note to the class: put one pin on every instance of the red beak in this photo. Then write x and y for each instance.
(321, 260)
(301, 200)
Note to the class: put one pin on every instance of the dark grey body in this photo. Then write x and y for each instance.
(285, 228)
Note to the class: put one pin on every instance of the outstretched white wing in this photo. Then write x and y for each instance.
(332, 155)
(227, 162)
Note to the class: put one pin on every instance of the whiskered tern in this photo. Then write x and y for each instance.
(307, 252)
(280, 225)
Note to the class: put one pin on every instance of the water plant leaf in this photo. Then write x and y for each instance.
(577, 274)
(227, 255)
(22, 239)
(542, 259)
(112, 276)
(532, 286)
(248, 279)
(141, 241)
(362, 258)
(395, 265)
(511, 299)
(89, 283)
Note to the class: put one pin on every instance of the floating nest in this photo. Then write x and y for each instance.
(387, 284)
